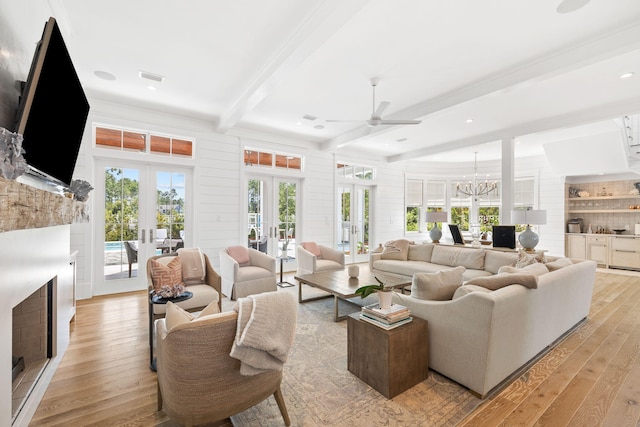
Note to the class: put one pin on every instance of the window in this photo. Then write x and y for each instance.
(362, 173)
(127, 140)
(413, 205)
(523, 196)
(254, 157)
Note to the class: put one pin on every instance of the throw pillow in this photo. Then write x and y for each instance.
(396, 249)
(467, 289)
(558, 264)
(501, 280)
(438, 286)
(239, 253)
(167, 275)
(312, 247)
(537, 269)
(177, 315)
(525, 258)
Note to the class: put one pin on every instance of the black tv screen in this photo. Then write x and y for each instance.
(53, 110)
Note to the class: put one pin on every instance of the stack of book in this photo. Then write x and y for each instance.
(388, 318)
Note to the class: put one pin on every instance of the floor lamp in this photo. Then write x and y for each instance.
(528, 239)
(435, 234)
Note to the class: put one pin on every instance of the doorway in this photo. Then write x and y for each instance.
(353, 222)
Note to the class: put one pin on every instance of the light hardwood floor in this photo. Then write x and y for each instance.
(592, 378)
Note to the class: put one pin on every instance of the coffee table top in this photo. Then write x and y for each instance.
(339, 283)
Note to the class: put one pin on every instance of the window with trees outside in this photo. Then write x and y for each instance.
(436, 198)
(523, 195)
(413, 205)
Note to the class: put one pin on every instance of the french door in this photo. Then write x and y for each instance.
(142, 211)
(353, 222)
(272, 206)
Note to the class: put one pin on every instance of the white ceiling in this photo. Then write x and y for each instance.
(519, 69)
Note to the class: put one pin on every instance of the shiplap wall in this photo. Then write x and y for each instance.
(219, 187)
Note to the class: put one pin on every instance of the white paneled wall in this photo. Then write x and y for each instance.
(218, 187)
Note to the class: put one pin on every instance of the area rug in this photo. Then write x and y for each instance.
(320, 391)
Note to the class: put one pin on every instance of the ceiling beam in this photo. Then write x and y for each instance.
(600, 113)
(624, 39)
(321, 24)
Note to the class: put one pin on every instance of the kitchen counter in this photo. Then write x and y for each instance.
(608, 250)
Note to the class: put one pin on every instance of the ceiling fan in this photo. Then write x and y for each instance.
(376, 114)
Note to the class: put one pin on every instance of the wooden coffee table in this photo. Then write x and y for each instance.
(342, 287)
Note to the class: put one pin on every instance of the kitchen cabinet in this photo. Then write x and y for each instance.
(576, 246)
(624, 252)
(597, 248)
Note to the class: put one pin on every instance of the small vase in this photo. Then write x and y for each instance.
(354, 270)
(384, 299)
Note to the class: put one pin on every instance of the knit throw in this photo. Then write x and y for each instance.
(265, 331)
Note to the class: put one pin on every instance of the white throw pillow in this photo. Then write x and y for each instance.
(177, 315)
(537, 269)
(525, 258)
(438, 286)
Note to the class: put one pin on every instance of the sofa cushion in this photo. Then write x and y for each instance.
(396, 249)
(493, 260)
(169, 274)
(420, 252)
(312, 247)
(558, 264)
(438, 286)
(453, 257)
(239, 253)
(537, 269)
(467, 289)
(505, 279)
(525, 258)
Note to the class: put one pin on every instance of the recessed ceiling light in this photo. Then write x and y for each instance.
(626, 75)
(469, 120)
(151, 87)
(568, 6)
(299, 123)
(104, 75)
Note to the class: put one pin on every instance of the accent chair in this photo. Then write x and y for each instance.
(314, 258)
(246, 271)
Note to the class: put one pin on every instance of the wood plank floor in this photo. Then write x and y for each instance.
(592, 378)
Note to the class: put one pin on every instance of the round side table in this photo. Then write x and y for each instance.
(156, 299)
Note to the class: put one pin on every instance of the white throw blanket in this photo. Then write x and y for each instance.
(265, 331)
(192, 261)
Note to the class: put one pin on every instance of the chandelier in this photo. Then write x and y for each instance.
(476, 188)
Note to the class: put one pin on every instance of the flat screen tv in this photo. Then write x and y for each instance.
(504, 236)
(53, 110)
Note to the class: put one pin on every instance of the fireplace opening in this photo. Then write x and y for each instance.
(32, 345)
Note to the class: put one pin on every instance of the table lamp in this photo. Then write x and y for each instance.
(528, 239)
(435, 234)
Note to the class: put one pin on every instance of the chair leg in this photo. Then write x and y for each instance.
(283, 408)
(129, 269)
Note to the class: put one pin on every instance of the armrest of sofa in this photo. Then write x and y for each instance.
(332, 254)
(263, 260)
(374, 256)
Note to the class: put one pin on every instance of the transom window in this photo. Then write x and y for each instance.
(145, 142)
(357, 172)
(253, 157)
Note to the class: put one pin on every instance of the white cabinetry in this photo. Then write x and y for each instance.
(624, 252)
(576, 246)
(597, 248)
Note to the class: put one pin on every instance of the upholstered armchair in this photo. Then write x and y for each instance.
(205, 288)
(246, 271)
(198, 380)
(314, 258)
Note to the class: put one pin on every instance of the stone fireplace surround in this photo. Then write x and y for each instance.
(32, 252)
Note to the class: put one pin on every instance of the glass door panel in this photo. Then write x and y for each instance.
(170, 214)
(287, 204)
(353, 222)
(257, 229)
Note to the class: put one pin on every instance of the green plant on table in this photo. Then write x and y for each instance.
(365, 291)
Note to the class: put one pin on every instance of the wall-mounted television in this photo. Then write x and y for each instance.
(53, 110)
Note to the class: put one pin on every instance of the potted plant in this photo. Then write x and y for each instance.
(384, 294)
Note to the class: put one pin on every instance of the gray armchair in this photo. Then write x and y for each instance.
(250, 272)
(313, 258)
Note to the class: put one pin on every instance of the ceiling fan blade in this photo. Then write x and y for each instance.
(378, 113)
(400, 122)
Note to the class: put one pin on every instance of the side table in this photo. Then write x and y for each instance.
(282, 283)
(155, 299)
(389, 361)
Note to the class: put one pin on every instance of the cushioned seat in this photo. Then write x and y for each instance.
(246, 271)
(313, 258)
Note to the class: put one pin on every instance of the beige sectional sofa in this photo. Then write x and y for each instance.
(481, 337)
